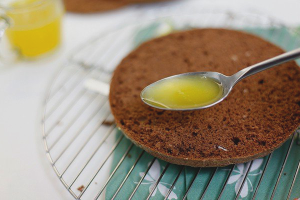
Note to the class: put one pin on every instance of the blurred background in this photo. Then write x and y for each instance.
(25, 172)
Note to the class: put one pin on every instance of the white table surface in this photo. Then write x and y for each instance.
(25, 172)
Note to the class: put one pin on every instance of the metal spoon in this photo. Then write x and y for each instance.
(228, 82)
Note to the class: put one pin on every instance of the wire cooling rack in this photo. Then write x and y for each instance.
(81, 139)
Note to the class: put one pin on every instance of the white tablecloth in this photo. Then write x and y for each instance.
(25, 172)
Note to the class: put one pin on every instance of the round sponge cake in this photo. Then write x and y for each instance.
(258, 116)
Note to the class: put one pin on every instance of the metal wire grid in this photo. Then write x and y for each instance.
(80, 142)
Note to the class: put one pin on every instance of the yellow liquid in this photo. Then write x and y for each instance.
(35, 30)
(183, 92)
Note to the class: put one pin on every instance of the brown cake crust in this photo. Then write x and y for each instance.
(91, 6)
(258, 116)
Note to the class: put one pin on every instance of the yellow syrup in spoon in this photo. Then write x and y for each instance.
(184, 92)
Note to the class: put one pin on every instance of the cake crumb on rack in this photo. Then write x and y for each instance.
(81, 188)
(108, 122)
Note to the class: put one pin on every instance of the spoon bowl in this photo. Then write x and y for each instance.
(221, 79)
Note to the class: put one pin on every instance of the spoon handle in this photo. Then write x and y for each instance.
(248, 71)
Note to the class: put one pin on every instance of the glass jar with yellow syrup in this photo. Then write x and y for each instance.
(32, 27)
